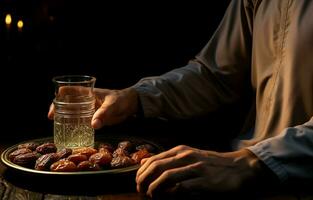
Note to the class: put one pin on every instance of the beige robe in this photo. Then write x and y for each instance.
(266, 45)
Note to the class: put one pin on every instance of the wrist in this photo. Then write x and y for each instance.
(134, 102)
(138, 111)
(258, 175)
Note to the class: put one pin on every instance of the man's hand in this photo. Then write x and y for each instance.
(113, 106)
(194, 171)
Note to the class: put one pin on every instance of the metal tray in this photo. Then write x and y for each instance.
(110, 139)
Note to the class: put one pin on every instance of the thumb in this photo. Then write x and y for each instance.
(107, 115)
(98, 118)
(116, 107)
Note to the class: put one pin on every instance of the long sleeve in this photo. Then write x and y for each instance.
(290, 154)
(215, 77)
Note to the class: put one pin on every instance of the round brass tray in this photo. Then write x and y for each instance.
(109, 139)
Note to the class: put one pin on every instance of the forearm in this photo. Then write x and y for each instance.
(182, 93)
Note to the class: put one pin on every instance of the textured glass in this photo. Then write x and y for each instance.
(74, 107)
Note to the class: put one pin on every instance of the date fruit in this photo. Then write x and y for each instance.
(27, 159)
(88, 166)
(63, 166)
(19, 152)
(46, 148)
(44, 161)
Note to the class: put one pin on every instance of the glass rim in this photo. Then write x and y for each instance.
(64, 79)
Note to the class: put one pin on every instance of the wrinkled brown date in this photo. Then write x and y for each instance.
(44, 161)
(77, 158)
(27, 159)
(64, 153)
(122, 161)
(63, 166)
(87, 151)
(141, 154)
(106, 147)
(88, 166)
(102, 158)
(120, 152)
(31, 145)
(19, 152)
(149, 147)
(46, 148)
(125, 145)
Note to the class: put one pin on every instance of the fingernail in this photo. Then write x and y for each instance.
(96, 123)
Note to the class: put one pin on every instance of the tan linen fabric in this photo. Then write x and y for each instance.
(263, 44)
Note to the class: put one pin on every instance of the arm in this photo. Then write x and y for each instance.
(215, 77)
(290, 154)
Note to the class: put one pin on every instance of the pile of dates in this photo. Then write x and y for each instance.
(46, 157)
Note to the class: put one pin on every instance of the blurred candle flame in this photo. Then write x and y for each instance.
(20, 24)
(8, 19)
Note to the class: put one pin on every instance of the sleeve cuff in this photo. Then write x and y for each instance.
(146, 107)
(261, 150)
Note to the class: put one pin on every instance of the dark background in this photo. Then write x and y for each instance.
(117, 42)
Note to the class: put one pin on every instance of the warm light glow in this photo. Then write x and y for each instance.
(8, 19)
(20, 24)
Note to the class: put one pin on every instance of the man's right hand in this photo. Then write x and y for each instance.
(112, 106)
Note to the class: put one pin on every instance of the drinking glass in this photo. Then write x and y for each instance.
(74, 105)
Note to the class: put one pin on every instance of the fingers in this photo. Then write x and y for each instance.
(143, 161)
(51, 112)
(172, 152)
(148, 161)
(153, 167)
(172, 178)
(155, 170)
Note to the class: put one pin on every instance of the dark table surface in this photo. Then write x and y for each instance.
(19, 185)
